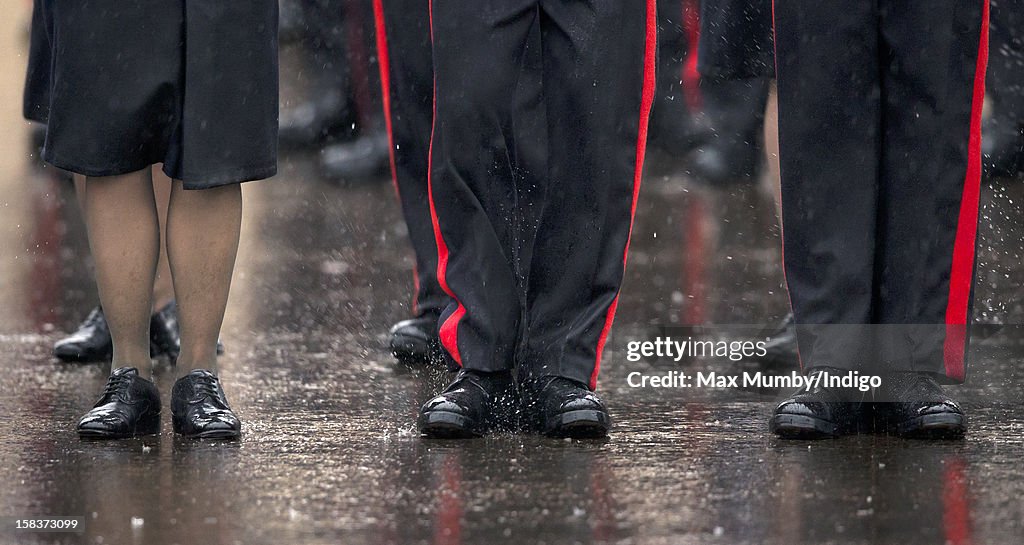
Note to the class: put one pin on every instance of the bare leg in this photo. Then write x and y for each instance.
(163, 288)
(203, 228)
(124, 237)
(80, 191)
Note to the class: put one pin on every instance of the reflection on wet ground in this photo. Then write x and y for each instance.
(330, 453)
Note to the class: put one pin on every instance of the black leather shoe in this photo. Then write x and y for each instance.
(819, 413)
(561, 407)
(733, 115)
(1002, 147)
(90, 342)
(781, 347)
(312, 120)
(916, 407)
(471, 406)
(165, 335)
(415, 341)
(129, 406)
(200, 409)
(361, 159)
(723, 163)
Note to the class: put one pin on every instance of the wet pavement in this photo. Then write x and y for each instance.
(330, 453)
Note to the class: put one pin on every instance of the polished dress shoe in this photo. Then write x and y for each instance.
(415, 341)
(292, 24)
(725, 161)
(90, 342)
(781, 347)
(362, 159)
(1002, 146)
(129, 406)
(474, 404)
(165, 334)
(561, 407)
(315, 118)
(200, 409)
(733, 116)
(818, 412)
(916, 407)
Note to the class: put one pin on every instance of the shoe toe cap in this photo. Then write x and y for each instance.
(410, 329)
(586, 401)
(68, 347)
(443, 403)
(216, 420)
(102, 423)
(943, 407)
(800, 408)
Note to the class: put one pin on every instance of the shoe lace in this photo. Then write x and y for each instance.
(116, 385)
(206, 386)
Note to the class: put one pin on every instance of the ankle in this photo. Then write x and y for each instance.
(130, 357)
(183, 368)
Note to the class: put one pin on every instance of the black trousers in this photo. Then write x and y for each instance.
(36, 100)
(880, 112)
(407, 81)
(736, 39)
(532, 231)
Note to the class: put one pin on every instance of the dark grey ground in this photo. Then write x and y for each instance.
(330, 453)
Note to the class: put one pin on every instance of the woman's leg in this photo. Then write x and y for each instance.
(163, 289)
(203, 228)
(80, 191)
(91, 341)
(124, 236)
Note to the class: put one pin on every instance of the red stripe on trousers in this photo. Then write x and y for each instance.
(449, 332)
(646, 101)
(962, 271)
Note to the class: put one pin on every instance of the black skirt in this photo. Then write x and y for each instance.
(36, 105)
(190, 84)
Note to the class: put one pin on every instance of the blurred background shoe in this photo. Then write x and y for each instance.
(364, 158)
(91, 342)
(415, 341)
(1002, 146)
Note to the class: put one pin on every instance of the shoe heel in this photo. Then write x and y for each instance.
(148, 425)
(448, 425)
(579, 424)
(178, 424)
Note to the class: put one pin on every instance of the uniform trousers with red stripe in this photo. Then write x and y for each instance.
(532, 226)
(407, 79)
(879, 109)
